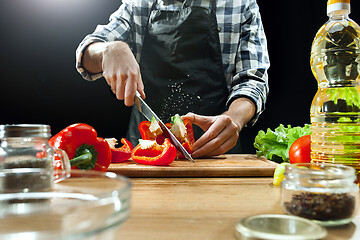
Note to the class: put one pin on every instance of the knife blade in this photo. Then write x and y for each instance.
(148, 113)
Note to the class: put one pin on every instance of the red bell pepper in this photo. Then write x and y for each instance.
(84, 148)
(187, 142)
(122, 153)
(150, 153)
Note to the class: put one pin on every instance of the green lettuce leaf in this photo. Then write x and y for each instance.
(275, 145)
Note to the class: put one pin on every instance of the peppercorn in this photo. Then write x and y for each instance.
(321, 206)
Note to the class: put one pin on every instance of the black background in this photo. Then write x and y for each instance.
(39, 82)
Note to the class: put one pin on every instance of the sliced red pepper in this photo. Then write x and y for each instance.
(187, 143)
(84, 148)
(122, 153)
(146, 134)
(154, 154)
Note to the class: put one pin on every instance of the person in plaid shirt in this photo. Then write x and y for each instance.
(204, 59)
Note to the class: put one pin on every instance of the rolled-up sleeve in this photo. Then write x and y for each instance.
(118, 29)
(252, 62)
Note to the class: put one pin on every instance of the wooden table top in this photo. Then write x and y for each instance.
(205, 208)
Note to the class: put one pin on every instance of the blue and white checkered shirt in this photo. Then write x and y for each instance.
(242, 39)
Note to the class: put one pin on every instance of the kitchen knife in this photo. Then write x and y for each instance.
(148, 113)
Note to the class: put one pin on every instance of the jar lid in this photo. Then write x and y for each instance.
(278, 227)
(25, 130)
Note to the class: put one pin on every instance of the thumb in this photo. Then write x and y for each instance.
(204, 122)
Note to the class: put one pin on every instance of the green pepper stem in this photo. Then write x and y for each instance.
(85, 157)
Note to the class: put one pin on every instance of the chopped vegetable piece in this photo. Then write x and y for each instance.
(279, 173)
(155, 127)
(146, 134)
(150, 153)
(122, 153)
(178, 128)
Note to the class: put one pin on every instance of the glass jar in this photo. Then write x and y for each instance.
(24, 148)
(324, 193)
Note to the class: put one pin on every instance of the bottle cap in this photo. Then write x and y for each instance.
(342, 6)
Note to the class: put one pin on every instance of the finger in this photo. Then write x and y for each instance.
(140, 87)
(113, 86)
(130, 89)
(189, 116)
(221, 130)
(121, 87)
(221, 144)
(226, 146)
(204, 122)
(210, 144)
(109, 81)
(211, 133)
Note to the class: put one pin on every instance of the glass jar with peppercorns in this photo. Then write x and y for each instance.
(324, 193)
(27, 161)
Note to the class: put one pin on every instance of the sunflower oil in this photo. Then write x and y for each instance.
(335, 109)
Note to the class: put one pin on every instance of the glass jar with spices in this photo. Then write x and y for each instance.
(324, 193)
(27, 161)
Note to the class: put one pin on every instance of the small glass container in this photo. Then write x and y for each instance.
(324, 193)
(25, 147)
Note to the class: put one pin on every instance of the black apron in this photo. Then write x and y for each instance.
(181, 66)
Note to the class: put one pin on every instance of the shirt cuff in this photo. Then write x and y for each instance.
(79, 53)
(254, 94)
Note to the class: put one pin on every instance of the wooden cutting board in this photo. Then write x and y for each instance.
(230, 165)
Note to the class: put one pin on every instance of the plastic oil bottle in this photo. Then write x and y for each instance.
(335, 110)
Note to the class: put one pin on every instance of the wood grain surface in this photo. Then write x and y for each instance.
(205, 208)
(231, 165)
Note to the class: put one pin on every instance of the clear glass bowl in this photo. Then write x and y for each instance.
(87, 205)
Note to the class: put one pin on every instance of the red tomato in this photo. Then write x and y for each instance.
(300, 150)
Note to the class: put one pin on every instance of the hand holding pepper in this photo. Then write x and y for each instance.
(221, 134)
(221, 131)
